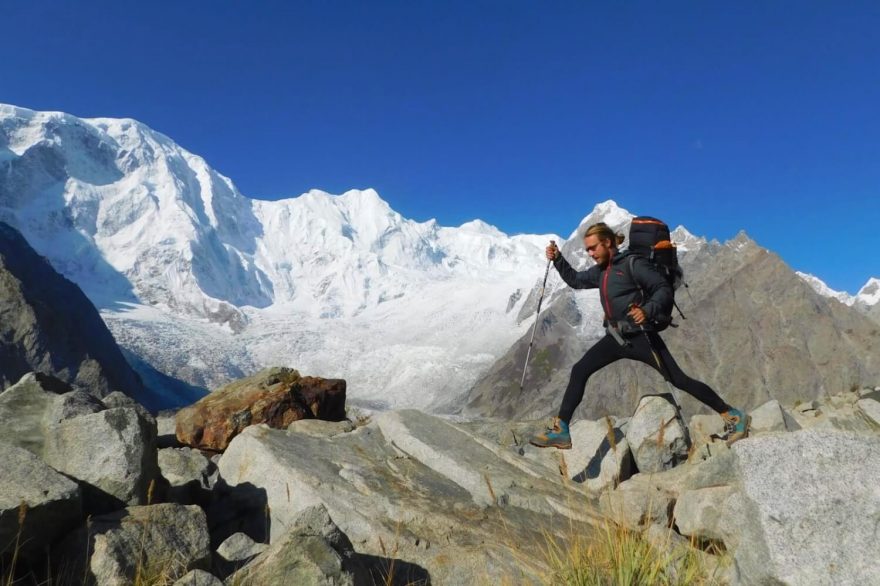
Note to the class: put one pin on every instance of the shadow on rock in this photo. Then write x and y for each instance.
(243, 508)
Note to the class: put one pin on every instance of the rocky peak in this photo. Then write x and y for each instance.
(48, 325)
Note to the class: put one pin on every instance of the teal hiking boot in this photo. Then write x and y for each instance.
(736, 424)
(555, 436)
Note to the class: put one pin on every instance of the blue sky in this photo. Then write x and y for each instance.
(720, 116)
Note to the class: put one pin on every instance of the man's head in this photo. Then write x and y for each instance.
(601, 242)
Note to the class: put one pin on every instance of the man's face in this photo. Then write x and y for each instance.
(599, 250)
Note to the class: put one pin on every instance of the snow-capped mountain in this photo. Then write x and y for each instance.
(821, 288)
(868, 295)
(207, 285)
(334, 285)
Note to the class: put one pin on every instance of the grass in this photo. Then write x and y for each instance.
(619, 556)
(9, 575)
(606, 553)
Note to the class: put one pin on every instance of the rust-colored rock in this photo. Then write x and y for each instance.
(275, 396)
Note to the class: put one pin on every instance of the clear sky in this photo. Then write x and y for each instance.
(721, 116)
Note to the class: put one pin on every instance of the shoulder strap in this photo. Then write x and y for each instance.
(630, 262)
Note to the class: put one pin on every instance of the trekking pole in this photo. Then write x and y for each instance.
(535, 328)
(661, 367)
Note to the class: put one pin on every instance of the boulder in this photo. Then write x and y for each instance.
(199, 578)
(600, 456)
(810, 508)
(871, 410)
(314, 551)
(111, 453)
(768, 417)
(156, 544)
(275, 396)
(706, 515)
(36, 402)
(656, 435)
(73, 404)
(418, 491)
(119, 399)
(24, 408)
(239, 547)
(35, 498)
(637, 504)
(189, 474)
(321, 428)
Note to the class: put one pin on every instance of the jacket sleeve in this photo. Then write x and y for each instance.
(658, 292)
(588, 279)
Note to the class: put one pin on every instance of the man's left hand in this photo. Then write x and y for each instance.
(637, 314)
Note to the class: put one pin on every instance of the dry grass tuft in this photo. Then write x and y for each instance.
(618, 556)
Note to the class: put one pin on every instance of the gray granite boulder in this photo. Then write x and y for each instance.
(871, 410)
(444, 502)
(312, 552)
(120, 399)
(48, 503)
(199, 578)
(73, 404)
(238, 547)
(705, 514)
(810, 508)
(637, 503)
(24, 408)
(769, 417)
(656, 435)
(600, 456)
(111, 453)
(156, 544)
(189, 473)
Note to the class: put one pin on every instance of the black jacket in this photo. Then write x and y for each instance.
(618, 290)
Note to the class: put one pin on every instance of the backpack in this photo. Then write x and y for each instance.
(650, 239)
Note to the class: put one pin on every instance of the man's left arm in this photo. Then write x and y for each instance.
(658, 292)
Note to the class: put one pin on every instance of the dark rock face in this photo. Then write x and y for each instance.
(48, 325)
(35, 499)
(275, 396)
(754, 331)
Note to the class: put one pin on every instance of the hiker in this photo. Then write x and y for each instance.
(632, 303)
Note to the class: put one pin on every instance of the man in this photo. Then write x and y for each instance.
(631, 302)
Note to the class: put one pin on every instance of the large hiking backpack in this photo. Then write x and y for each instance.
(650, 238)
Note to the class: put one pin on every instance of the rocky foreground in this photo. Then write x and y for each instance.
(99, 491)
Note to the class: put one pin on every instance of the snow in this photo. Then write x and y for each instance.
(824, 290)
(205, 283)
(869, 294)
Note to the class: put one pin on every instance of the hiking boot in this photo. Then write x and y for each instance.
(736, 424)
(555, 436)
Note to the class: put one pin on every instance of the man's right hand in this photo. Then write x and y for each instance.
(552, 251)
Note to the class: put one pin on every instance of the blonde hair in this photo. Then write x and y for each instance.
(603, 232)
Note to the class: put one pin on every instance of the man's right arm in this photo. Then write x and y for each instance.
(588, 279)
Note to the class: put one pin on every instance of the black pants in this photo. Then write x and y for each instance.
(608, 350)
